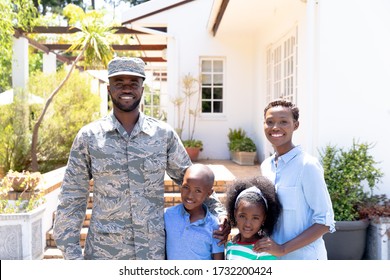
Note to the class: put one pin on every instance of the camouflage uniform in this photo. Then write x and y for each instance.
(128, 172)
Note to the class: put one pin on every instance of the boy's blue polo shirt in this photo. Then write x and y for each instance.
(190, 241)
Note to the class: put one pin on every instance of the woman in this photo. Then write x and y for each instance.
(307, 212)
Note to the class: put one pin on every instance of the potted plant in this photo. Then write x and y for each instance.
(347, 172)
(242, 148)
(21, 212)
(190, 113)
(193, 148)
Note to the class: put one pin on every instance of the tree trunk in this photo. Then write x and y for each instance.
(34, 142)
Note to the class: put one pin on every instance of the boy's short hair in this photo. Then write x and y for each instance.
(206, 172)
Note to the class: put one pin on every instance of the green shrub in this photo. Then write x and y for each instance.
(346, 172)
(239, 142)
(193, 144)
(15, 133)
(242, 145)
(235, 134)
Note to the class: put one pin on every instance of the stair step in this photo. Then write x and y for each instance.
(52, 253)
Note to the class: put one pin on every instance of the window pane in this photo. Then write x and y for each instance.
(206, 106)
(206, 93)
(147, 99)
(206, 66)
(217, 93)
(156, 112)
(218, 79)
(218, 66)
(217, 106)
(147, 111)
(156, 100)
(206, 80)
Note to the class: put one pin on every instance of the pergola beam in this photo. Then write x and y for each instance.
(70, 29)
(116, 47)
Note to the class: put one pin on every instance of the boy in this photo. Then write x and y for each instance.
(189, 226)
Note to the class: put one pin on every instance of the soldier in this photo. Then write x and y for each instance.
(126, 154)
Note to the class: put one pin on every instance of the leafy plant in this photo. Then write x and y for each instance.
(193, 144)
(28, 199)
(374, 207)
(15, 132)
(239, 142)
(183, 107)
(346, 172)
(235, 134)
(22, 181)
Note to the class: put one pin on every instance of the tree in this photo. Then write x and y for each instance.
(14, 13)
(56, 6)
(92, 44)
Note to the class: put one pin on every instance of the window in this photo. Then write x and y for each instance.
(151, 105)
(151, 102)
(282, 63)
(212, 73)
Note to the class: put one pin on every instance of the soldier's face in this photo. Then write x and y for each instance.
(126, 92)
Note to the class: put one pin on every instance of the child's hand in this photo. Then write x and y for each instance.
(222, 233)
(266, 244)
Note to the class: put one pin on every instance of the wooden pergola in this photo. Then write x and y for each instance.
(149, 51)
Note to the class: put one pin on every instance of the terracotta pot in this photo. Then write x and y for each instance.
(193, 152)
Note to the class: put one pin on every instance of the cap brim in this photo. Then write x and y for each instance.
(126, 73)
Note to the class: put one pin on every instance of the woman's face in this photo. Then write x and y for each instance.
(279, 126)
(249, 217)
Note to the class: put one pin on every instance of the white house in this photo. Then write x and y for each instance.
(330, 57)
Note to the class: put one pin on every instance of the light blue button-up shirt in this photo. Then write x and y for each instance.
(302, 191)
(190, 241)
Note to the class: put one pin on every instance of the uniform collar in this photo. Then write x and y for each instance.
(143, 124)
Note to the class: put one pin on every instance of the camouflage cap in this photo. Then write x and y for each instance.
(126, 66)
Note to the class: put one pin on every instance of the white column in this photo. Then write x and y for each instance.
(104, 99)
(20, 63)
(49, 63)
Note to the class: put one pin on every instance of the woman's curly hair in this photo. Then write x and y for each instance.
(268, 190)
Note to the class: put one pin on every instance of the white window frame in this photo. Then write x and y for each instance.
(282, 68)
(211, 73)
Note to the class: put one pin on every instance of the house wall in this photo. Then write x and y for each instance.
(286, 17)
(343, 69)
(188, 41)
(354, 69)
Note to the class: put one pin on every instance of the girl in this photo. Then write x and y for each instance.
(253, 209)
